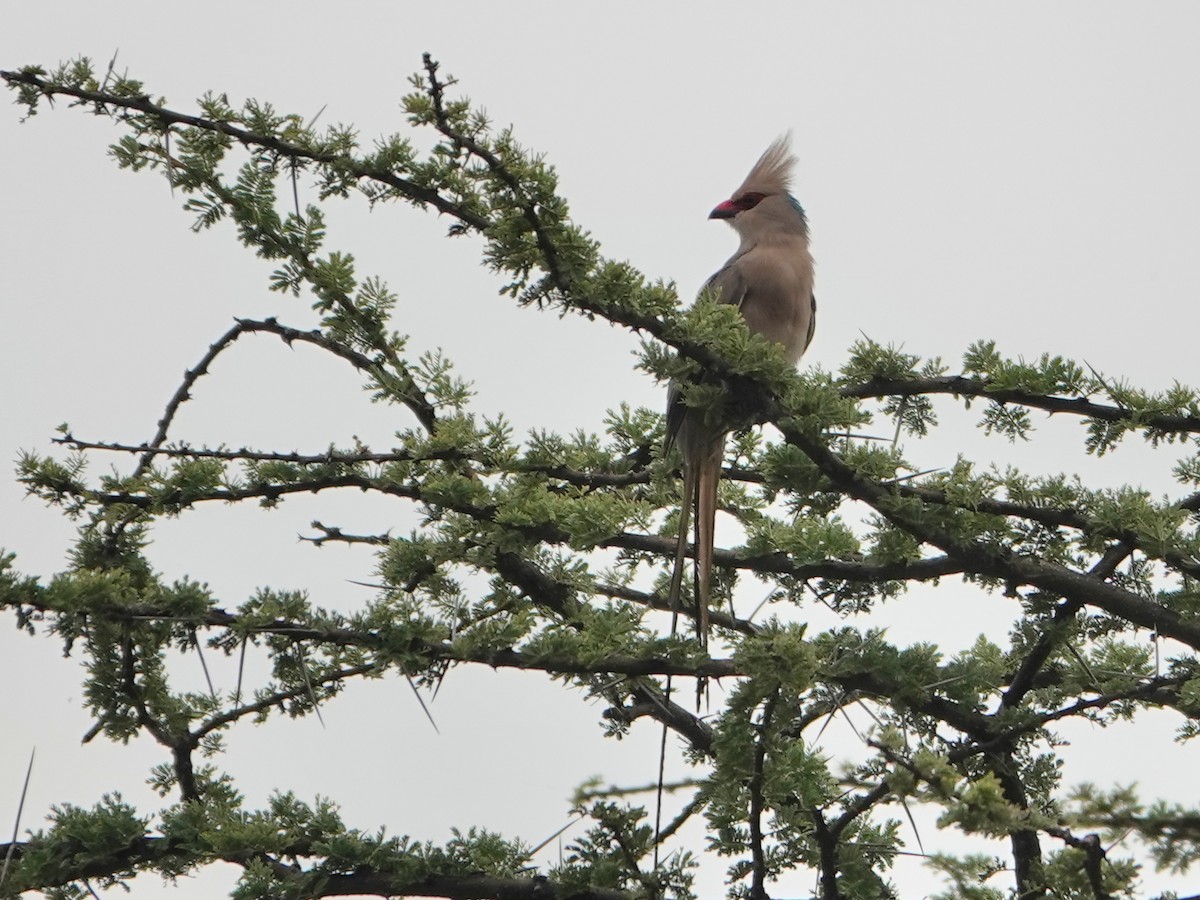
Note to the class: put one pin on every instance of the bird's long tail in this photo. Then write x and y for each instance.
(701, 476)
(681, 542)
(707, 478)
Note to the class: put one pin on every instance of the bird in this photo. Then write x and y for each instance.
(770, 280)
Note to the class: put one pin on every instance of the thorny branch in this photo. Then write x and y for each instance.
(285, 149)
(758, 865)
(985, 735)
(960, 386)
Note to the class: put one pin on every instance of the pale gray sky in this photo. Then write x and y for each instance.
(1025, 172)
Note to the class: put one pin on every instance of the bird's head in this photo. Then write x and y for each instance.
(762, 207)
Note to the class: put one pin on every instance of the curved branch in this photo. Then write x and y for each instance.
(995, 561)
(962, 386)
(143, 104)
(778, 563)
(413, 398)
(1061, 517)
(183, 393)
(146, 852)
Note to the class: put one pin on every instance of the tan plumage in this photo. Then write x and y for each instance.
(770, 280)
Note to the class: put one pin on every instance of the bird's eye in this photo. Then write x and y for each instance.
(749, 200)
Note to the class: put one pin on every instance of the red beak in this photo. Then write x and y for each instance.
(726, 210)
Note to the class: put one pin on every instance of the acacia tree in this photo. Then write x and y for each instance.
(828, 517)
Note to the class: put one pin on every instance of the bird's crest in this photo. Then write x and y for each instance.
(772, 174)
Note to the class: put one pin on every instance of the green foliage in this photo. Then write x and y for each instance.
(968, 874)
(550, 552)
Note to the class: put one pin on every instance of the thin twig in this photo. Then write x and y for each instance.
(17, 823)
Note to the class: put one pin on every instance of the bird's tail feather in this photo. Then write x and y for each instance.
(708, 478)
(681, 542)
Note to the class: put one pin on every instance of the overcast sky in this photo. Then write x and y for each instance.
(1024, 172)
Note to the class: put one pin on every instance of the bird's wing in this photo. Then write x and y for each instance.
(676, 412)
(812, 322)
(729, 284)
(726, 286)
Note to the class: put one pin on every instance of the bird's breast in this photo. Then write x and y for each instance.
(779, 290)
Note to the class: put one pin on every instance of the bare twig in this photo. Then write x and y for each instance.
(8, 854)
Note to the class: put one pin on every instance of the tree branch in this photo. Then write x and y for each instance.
(286, 149)
(962, 386)
(758, 859)
(998, 561)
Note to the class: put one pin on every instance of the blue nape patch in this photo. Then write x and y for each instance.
(795, 204)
